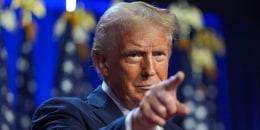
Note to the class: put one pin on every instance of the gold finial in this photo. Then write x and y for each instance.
(28, 8)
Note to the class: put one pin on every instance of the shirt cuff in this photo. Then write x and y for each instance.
(128, 122)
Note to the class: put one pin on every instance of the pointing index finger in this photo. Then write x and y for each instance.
(174, 81)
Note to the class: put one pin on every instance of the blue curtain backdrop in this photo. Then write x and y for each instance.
(238, 102)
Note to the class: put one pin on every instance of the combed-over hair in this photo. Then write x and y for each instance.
(123, 16)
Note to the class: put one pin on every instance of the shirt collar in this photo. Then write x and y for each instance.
(117, 101)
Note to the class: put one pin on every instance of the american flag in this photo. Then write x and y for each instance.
(195, 54)
(25, 86)
(71, 77)
(7, 115)
(199, 90)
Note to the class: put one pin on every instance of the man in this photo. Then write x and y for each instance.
(131, 51)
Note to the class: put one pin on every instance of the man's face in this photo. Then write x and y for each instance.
(139, 60)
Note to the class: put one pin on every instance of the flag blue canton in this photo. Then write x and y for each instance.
(25, 87)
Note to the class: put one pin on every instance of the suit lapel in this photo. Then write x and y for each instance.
(106, 110)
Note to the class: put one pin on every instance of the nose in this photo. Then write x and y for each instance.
(148, 67)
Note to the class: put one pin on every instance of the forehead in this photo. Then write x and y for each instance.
(144, 36)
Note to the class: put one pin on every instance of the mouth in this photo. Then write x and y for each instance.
(144, 87)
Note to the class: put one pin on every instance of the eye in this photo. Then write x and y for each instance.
(133, 57)
(159, 53)
(159, 56)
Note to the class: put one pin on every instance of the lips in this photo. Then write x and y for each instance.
(144, 87)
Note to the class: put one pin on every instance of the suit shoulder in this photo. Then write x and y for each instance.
(64, 103)
(64, 100)
(64, 112)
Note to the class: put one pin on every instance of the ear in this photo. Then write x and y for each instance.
(101, 63)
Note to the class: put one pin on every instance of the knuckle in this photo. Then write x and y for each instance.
(166, 98)
(172, 110)
(162, 109)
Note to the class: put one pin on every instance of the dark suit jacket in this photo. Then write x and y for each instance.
(98, 111)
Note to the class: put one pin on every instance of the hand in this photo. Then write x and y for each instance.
(159, 104)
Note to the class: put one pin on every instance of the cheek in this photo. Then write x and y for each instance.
(125, 73)
(131, 71)
(162, 70)
(128, 75)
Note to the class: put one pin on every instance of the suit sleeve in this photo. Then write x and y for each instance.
(69, 114)
(58, 114)
(118, 124)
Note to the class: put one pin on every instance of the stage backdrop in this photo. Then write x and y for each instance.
(49, 56)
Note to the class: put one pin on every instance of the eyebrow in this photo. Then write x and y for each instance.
(143, 50)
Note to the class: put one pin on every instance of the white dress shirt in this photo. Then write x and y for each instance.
(123, 109)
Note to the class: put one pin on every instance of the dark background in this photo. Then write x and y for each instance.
(241, 24)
